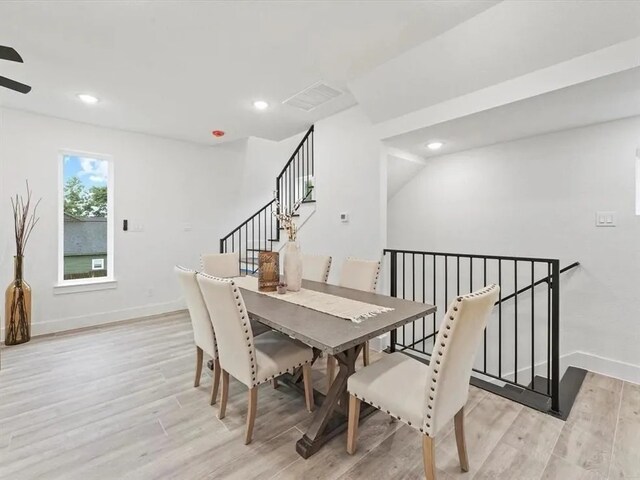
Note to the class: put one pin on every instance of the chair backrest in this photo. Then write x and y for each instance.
(222, 265)
(360, 274)
(453, 356)
(316, 267)
(231, 324)
(202, 327)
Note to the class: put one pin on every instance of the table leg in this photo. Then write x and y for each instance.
(330, 419)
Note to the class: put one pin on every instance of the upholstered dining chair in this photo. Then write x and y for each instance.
(316, 267)
(222, 265)
(250, 360)
(203, 335)
(426, 397)
(359, 275)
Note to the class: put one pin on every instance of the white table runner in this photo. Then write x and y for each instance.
(346, 308)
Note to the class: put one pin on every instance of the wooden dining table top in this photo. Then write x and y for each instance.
(327, 332)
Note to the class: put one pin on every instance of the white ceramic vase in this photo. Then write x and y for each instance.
(292, 266)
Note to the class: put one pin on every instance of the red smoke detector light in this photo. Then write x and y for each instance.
(217, 133)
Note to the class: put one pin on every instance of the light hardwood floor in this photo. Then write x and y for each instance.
(118, 402)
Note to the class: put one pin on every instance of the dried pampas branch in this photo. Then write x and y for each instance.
(24, 219)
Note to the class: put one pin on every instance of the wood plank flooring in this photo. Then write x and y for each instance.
(118, 402)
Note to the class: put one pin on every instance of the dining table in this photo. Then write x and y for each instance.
(330, 335)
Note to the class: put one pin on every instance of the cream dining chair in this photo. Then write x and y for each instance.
(359, 275)
(252, 361)
(316, 267)
(203, 335)
(426, 397)
(224, 265)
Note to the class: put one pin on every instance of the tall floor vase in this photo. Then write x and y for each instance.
(17, 307)
(292, 266)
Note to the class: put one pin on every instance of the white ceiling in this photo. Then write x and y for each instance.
(181, 69)
(604, 99)
(508, 41)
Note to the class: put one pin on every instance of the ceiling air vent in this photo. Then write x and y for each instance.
(313, 96)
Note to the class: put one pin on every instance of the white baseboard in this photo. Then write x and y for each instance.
(605, 366)
(103, 318)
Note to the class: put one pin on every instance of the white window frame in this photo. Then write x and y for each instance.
(96, 283)
(97, 264)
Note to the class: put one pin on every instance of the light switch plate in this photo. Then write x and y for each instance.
(605, 219)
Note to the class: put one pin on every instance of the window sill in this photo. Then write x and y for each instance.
(81, 286)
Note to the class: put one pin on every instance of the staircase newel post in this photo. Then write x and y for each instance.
(222, 245)
(555, 335)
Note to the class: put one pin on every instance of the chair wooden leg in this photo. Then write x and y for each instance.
(458, 421)
(251, 414)
(198, 366)
(225, 395)
(429, 457)
(354, 418)
(216, 380)
(365, 353)
(331, 370)
(308, 388)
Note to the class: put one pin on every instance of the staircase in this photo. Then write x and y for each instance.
(262, 231)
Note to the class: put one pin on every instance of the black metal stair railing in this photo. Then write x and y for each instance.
(261, 230)
(521, 344)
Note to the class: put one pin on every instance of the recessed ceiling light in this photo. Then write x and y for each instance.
(260, 105)
(88, 99)
(435, 145)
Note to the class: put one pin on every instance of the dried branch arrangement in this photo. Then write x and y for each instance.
(18, 300)
(286, 217)
(24, 219)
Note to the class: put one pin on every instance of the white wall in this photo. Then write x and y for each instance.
(163, 184)
(350, 171)
(538, 197)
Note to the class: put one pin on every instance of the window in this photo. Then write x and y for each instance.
(97, 264)
(86, 218)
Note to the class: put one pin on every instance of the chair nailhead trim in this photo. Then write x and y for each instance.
(443, 344)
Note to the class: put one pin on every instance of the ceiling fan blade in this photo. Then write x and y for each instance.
(13, 85)
(8, 53)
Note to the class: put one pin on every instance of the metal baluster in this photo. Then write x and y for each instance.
(533, 329)
(393, 290)
(404, 327)
(424, 319)
(433, 315)
(446, 282)
(484, 273)
(413, 296)
(515, 299)
(500, 319)
(458, 275)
